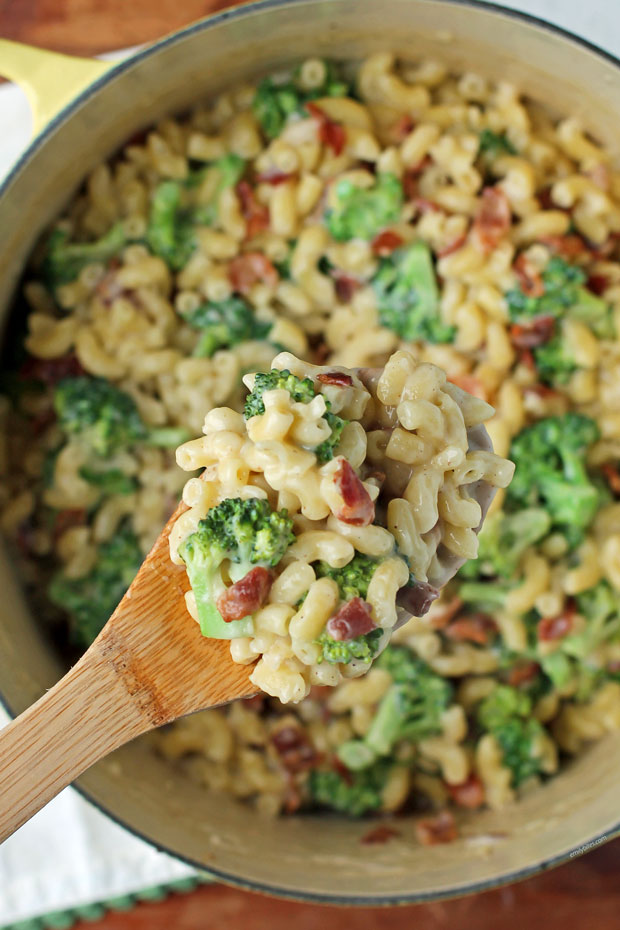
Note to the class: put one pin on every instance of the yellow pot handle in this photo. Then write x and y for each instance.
(49, 80)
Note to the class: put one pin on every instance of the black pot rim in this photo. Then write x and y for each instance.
(238, 12)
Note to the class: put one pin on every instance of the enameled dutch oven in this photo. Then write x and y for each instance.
(83, 111)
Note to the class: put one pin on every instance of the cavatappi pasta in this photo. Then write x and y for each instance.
(319, 573)
(340, 214)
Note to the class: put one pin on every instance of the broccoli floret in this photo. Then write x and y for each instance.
(362, 212)
(224, 323)
(109, 481)
(356, 795)
(64, 259)
(411, 708)
(506, 714)
(105, 417)
(494, 144)
(91, 600)
(484, 595)
(361, 647)
(600, 607)
(503, 539)
(245, 533)
(554, 361)
(302, 391)
(353, 578)
(551, 472)
(564, 295)
(171, 230)
(408, 296)
(274, 101)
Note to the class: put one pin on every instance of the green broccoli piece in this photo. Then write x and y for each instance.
(495, 144)
(302, 391)
(275, 101)
(484, 595)
(408, 296)
(358, 794)
(244, 533)
(551, 472)
(362, 212)
(554, 361)
(105, 417)
(92, 599)
(503, 539)
(64, 260)
(171, 230)
(362, 647)
(224, 323)
(564, 295)
(110, 481)
(353, 578)
(411, 708)
(506, 714)
(600, 606)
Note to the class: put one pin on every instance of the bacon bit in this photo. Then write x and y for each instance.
(256, 214)
(353, 619)
(417, 599)
(319, 692)
(386, 242)
(552, 628)
(531, 335)
(475, 628)
(296, 752)
(66, 520)
(453, 246)
(410, 180)
(471, 384)
(526, 358)
(492, 220)
(468, 794)
(523, 673)
(402, 127)
(357, 507)
(256, 703)
(340, 378)
(546, 201)
(379, 835)
(248, 269)
(346, 286)
(245, 596)
(444, 613)
(598, 283)
(613, 477)
(274, 177)
(341, 769)
(569, 246)
(530, 278)
(292, 796)
(331, 134)
(439, 829)
(321, 353)
(51, 370)
(423, 205)
(542, 390)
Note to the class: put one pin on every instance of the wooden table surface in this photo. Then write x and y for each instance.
(583, 894)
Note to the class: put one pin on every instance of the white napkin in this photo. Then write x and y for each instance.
(70, 854)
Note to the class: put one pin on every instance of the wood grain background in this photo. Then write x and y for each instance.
(581, 895)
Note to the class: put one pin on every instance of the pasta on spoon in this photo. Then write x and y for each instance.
(335, 507)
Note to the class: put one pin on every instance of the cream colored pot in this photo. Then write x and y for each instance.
(84, 110)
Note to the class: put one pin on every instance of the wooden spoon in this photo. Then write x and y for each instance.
(147, 667)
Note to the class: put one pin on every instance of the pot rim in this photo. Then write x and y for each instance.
(475, 887)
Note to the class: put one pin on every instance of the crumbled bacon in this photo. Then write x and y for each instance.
(471, 384)
(352, 620)
(568, 246)
(530, 278)
(474, 628)
(492, 220)
(469, 793)
(542, 390)
(417, 599)
(51, 370)
(423, 205)
(613, 477)
(598, 283)
(339, 378)
(321, 353)
(66, 520)
(526, 358)
(402, 127)
(453, 246)
(439, 829)
(256, 214)
(256, 703)
(444, 613)
(274, 177)
(250, 268)
(379, 835)
(523, 673)
(245, 596)
(357, 507)
(331, 134)
(346, 286)
(341, 769)
(552, 628)
(531, 335)
(386, 242)
(296, 752)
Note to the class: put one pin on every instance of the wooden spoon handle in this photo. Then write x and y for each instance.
(83, 717)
